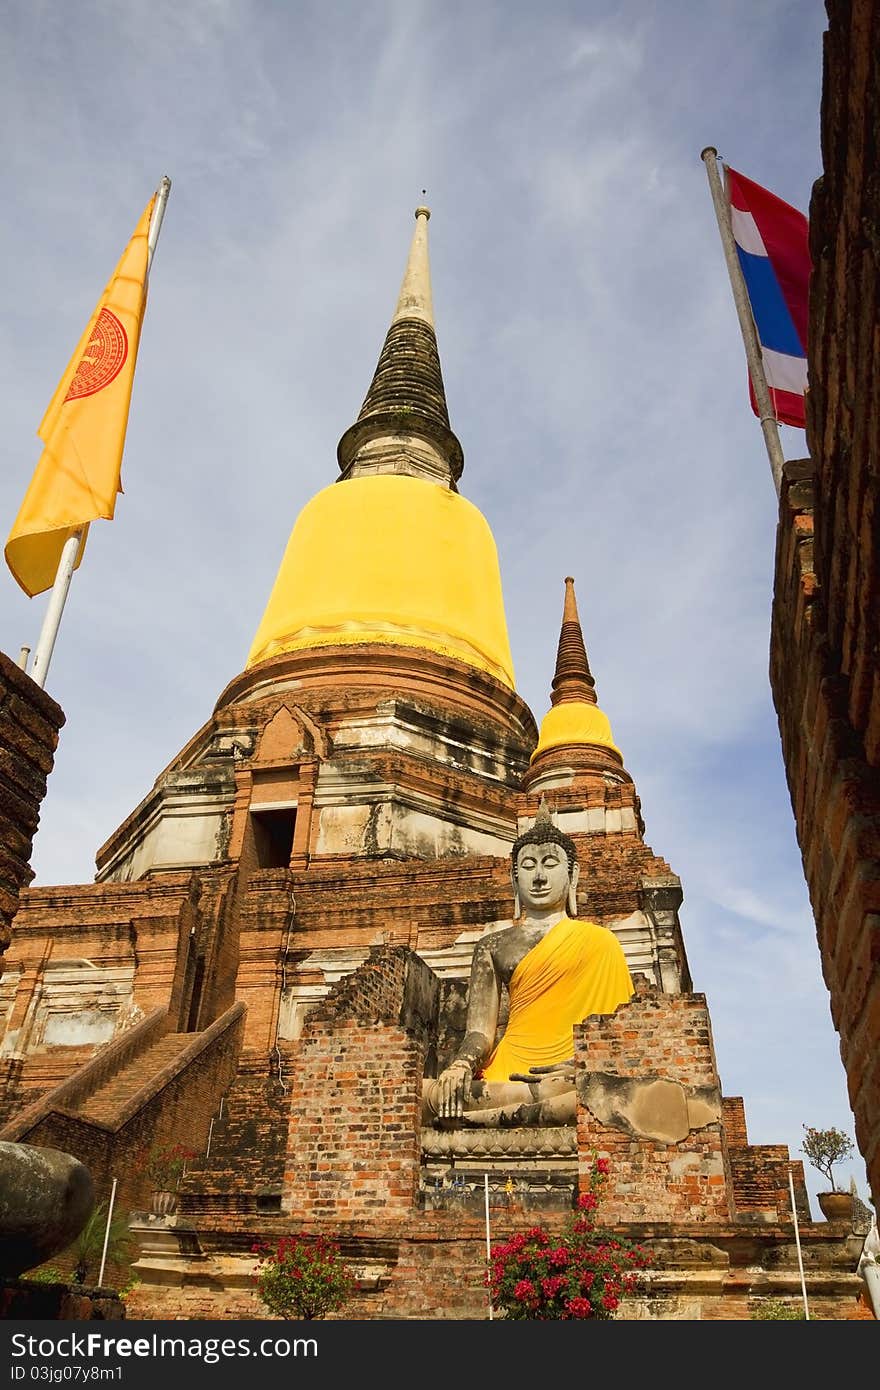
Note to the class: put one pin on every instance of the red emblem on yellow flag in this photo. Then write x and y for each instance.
(78, 475)
(102, 360)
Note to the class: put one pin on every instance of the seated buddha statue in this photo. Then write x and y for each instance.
(558, 971)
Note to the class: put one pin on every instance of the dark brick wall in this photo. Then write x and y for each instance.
(30, 721)
(32, 1302)
(825, 642)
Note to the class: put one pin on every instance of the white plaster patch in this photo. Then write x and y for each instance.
(427, 836)
(80, 1003)
(182, 829)
(77, 1029)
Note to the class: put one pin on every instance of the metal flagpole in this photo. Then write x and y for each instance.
(55, 607)
(107, 1233)
(156, 219)
(488, 1241)
(797, 1240)
(72, 546)
(755, 361)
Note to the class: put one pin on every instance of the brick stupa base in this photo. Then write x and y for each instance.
(338, 1149)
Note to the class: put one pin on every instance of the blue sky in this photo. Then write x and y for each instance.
(594, 373)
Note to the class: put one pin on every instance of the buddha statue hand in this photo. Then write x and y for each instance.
(558, 1071)
(453, 1089)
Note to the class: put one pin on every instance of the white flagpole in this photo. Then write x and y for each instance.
(488, 1240)
(72, 546)
(55, 607)
(107, 1233)
(797, 1238)
(156, 219)
(755, 361)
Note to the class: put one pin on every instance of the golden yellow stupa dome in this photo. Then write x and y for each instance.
(390, 559)
(574, 722)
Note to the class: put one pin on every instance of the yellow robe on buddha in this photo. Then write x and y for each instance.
(576, 970)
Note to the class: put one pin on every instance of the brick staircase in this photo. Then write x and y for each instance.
(244, 1168)
(111, 1099)
(146, 1086)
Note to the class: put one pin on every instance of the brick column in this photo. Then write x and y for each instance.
(649, 1098)
(353, 1148)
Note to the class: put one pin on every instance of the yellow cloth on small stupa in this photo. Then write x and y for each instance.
(576, 970)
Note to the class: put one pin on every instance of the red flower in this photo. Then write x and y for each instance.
(603, 1166)
(579, 1274)
(551, 1284)
(579, 1307)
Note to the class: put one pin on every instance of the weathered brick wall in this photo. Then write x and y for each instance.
(733, 1113)
(825, 643)
(760, 1181)
(30, 721)
(668, 1037)
(244, 1169)
(433, 1268)
(353, 1144)
(151, 930)
(760, 1171)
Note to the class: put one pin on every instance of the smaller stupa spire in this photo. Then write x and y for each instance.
(573, 679)
(574, 719)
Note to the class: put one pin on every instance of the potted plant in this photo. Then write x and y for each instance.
(823, 1148)
(165, 1165)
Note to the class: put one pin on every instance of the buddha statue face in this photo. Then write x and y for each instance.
(545, 878)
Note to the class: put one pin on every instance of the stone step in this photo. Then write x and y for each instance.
(107, 1102)
(248, 1142)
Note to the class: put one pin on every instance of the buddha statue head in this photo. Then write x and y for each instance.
(544, 881)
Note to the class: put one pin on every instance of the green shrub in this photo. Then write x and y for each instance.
(302, 1279)
(777, 1309)
(88, 1247)
(46, 1274)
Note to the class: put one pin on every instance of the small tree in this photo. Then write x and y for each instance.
(88, 1247)
(302, 1279)
(583, 1274)
(824, 1148)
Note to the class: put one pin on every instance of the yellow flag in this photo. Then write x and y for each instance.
(78, 475)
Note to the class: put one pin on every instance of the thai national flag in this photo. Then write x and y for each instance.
(772, 241)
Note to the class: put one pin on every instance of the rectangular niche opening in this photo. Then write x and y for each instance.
(273, 837)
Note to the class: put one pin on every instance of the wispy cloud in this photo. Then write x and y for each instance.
(593, 367)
